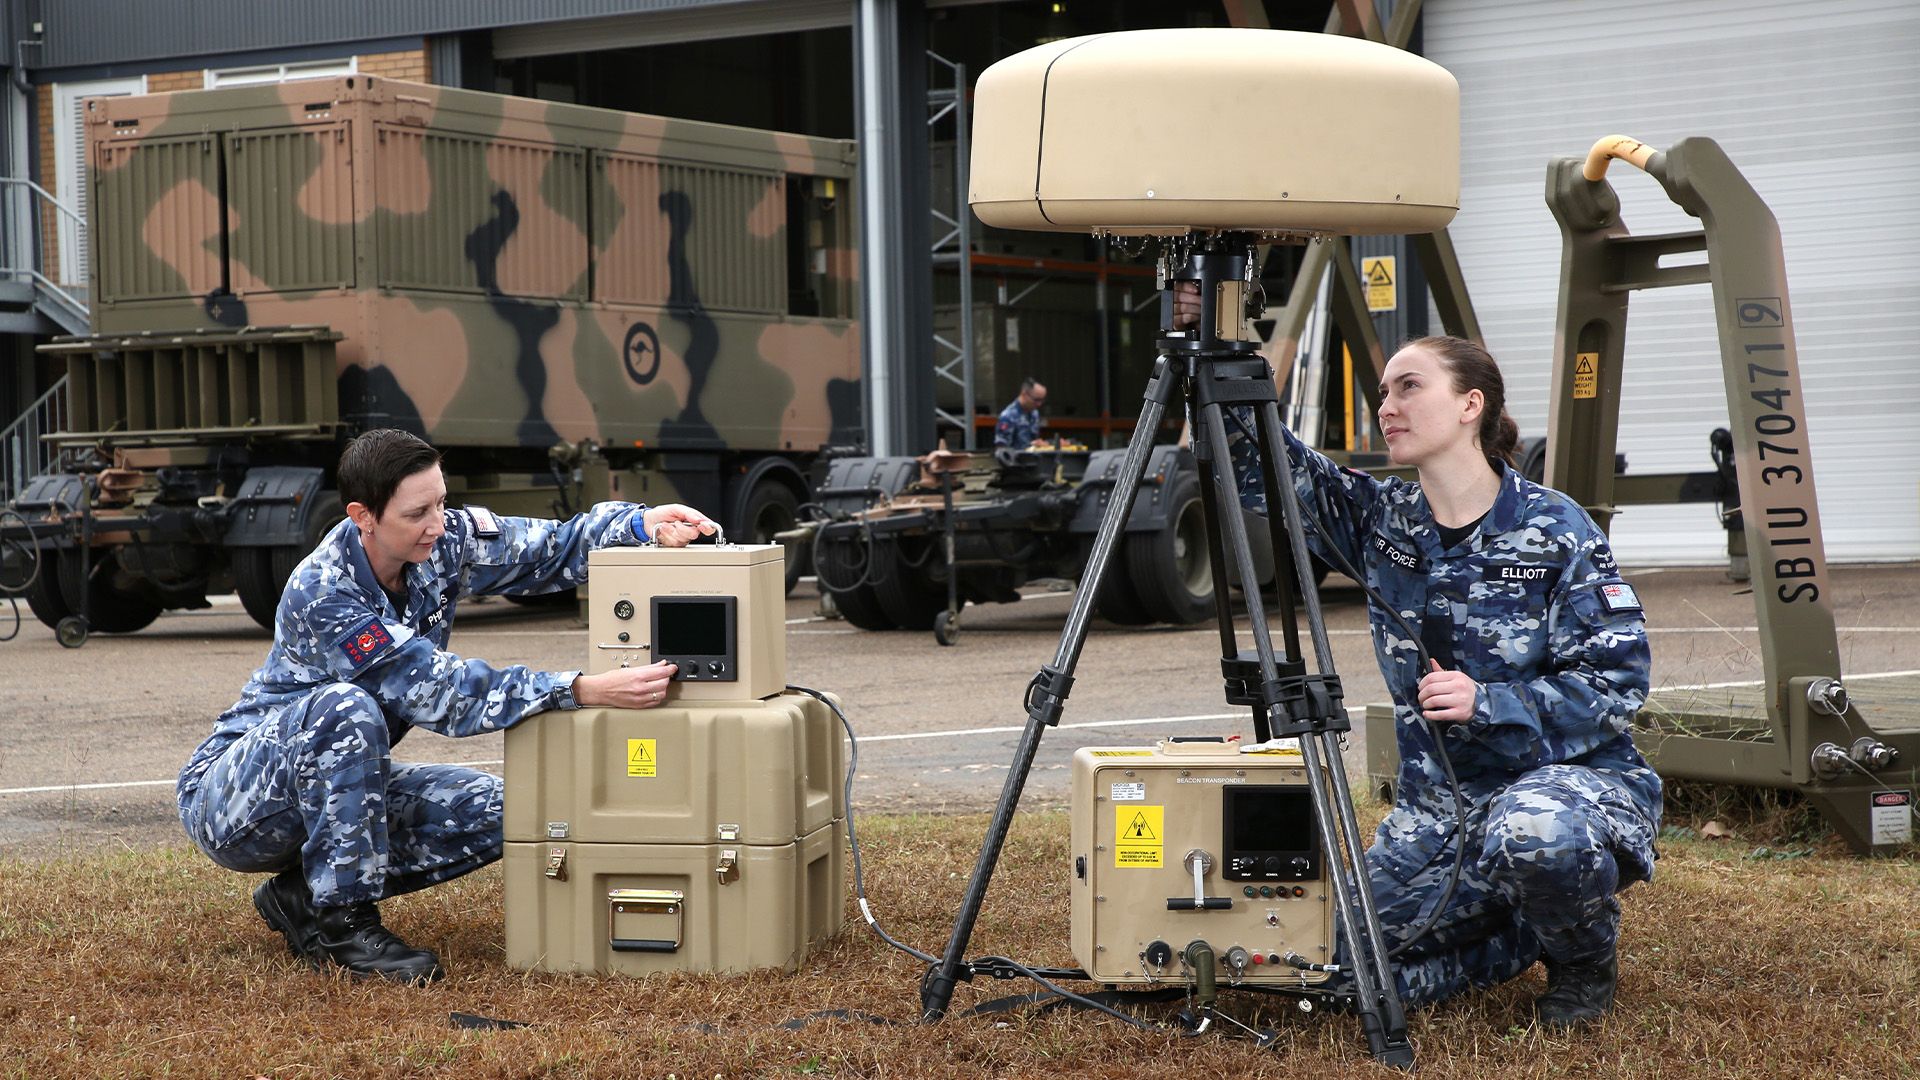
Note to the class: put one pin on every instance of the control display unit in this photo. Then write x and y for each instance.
(700, 634)
(1269, 833)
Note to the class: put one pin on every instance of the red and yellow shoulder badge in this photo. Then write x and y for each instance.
(364, 642)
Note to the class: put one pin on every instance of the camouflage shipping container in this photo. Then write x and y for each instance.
(572, 303)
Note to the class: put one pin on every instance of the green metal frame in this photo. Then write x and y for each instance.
(1816, 732)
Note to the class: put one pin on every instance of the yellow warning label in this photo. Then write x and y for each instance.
(1121, 753)
(1138, 836)
(1383, 288)
(1586, 375)
(640, 759)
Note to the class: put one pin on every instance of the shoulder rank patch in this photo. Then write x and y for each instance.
(1395, 554)
(1619, 596)
(362, 644)
(1517, 573)
(484, 523)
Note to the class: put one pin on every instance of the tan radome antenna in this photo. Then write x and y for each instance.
(1165, 132)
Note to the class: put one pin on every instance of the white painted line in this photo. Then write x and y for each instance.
(85, 787)
(1354, 712)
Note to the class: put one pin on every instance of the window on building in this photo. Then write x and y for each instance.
(278, 73)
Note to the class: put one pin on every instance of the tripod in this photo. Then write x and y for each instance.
(1216, 374)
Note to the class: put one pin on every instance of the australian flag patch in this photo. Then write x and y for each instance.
(485, 525)
(362, 644)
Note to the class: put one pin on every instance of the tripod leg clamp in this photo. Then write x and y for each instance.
(1047, 695)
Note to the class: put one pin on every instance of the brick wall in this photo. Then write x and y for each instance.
(410, 65)
(168, 82)
(49, 230)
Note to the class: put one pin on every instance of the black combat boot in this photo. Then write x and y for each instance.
(283, 900)
(353, 937)
(1578, 994)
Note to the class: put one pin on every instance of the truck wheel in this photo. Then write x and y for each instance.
(1168, 566)
(1116, 601)
(43, 592)
(260, 573)
(772, 508)
(906, 591)
(845, 563)
(111, 608)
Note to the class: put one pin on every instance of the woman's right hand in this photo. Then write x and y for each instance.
(1186, 305)
(625, 688)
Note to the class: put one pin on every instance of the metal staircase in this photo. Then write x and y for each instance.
(33, 304)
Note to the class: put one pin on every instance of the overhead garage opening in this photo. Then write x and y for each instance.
(800, 82)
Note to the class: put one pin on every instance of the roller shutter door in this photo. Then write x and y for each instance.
(1819, 106)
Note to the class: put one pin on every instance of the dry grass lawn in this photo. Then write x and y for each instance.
(1738, 962)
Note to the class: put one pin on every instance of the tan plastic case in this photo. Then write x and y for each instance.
(1163, 131)
(771, 771)
(754, 574)
(636, 909)
(1119, 906)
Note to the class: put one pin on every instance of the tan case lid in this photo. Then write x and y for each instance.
(1162, 131)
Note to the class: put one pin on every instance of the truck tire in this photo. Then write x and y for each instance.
(845, 563)
(110, 607)
(1116, 601)
(43, 592)
(906, 590)
(260, 573)
(770, 508)
(1168, 566)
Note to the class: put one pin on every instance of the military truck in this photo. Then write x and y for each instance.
(572, 303)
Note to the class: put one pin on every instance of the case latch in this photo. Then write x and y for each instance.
(557, 863)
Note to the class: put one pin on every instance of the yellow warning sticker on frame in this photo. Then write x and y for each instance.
(1139, 836)
(1586, 375)
(1383, 288)
(640, 758)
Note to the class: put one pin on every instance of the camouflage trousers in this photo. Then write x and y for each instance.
(1540, 880)
(315, 787)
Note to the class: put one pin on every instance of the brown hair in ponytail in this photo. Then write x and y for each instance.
(1472, 368)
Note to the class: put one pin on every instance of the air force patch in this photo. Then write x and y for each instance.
(361, 645)
(1619, 596)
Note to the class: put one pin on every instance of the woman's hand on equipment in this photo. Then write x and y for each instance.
(1447, 697)
(625, 688)
(1186, 305)
(674, 525)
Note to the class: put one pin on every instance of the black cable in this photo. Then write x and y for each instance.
(866, 909)
(853, 839)
(866, 577)
(1459, 840)
(31, 557)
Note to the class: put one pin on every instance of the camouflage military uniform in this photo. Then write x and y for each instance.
(1562, 810)
(1016, 427)
(298, 771)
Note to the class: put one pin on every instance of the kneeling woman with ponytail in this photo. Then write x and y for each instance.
(1538, 662)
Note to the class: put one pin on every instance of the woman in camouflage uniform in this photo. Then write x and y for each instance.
(1538, 661)
(298, 776)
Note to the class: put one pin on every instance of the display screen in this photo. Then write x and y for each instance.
(692, 627)
(1270, 819)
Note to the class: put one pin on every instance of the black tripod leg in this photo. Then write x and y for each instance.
(1382, 1016)
(1047, 693)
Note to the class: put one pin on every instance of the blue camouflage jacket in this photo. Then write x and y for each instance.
(336, 624)
(1530, 606)
(1016, 427)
